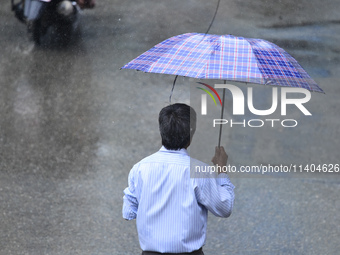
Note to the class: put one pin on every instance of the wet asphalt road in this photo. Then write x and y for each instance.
(72, 125)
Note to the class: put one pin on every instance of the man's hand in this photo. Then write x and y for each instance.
(220, 157)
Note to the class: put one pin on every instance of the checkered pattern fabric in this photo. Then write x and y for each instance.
(224, 57)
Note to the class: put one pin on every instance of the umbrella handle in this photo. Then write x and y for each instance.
(172, 90)
(222, 111)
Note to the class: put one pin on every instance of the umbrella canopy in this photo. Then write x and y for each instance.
(226, 57)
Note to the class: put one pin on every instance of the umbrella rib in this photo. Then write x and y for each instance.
(198, 58)
(206, 66)
(154, 64)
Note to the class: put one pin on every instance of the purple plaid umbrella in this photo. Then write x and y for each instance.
(225, 57)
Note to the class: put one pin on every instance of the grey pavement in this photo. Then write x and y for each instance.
(72, 125)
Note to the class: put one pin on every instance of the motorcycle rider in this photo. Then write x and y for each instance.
(18, 8)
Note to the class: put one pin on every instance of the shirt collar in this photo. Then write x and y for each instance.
(181, 151)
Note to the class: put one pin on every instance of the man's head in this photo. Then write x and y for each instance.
(177, 125)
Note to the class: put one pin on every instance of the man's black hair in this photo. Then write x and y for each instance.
(177, 124)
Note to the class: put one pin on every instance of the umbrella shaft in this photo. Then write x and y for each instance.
(222, 111)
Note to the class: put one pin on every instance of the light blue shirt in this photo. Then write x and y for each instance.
(171, 208)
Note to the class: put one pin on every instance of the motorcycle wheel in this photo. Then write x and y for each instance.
(36, 31)
(39, 31)
(53, 30)
(64, 34)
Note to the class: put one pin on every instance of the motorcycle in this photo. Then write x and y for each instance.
(48, 19)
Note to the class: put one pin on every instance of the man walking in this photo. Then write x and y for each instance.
(169, 205)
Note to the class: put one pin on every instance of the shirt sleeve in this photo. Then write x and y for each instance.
(130, 202)
(216, 194)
